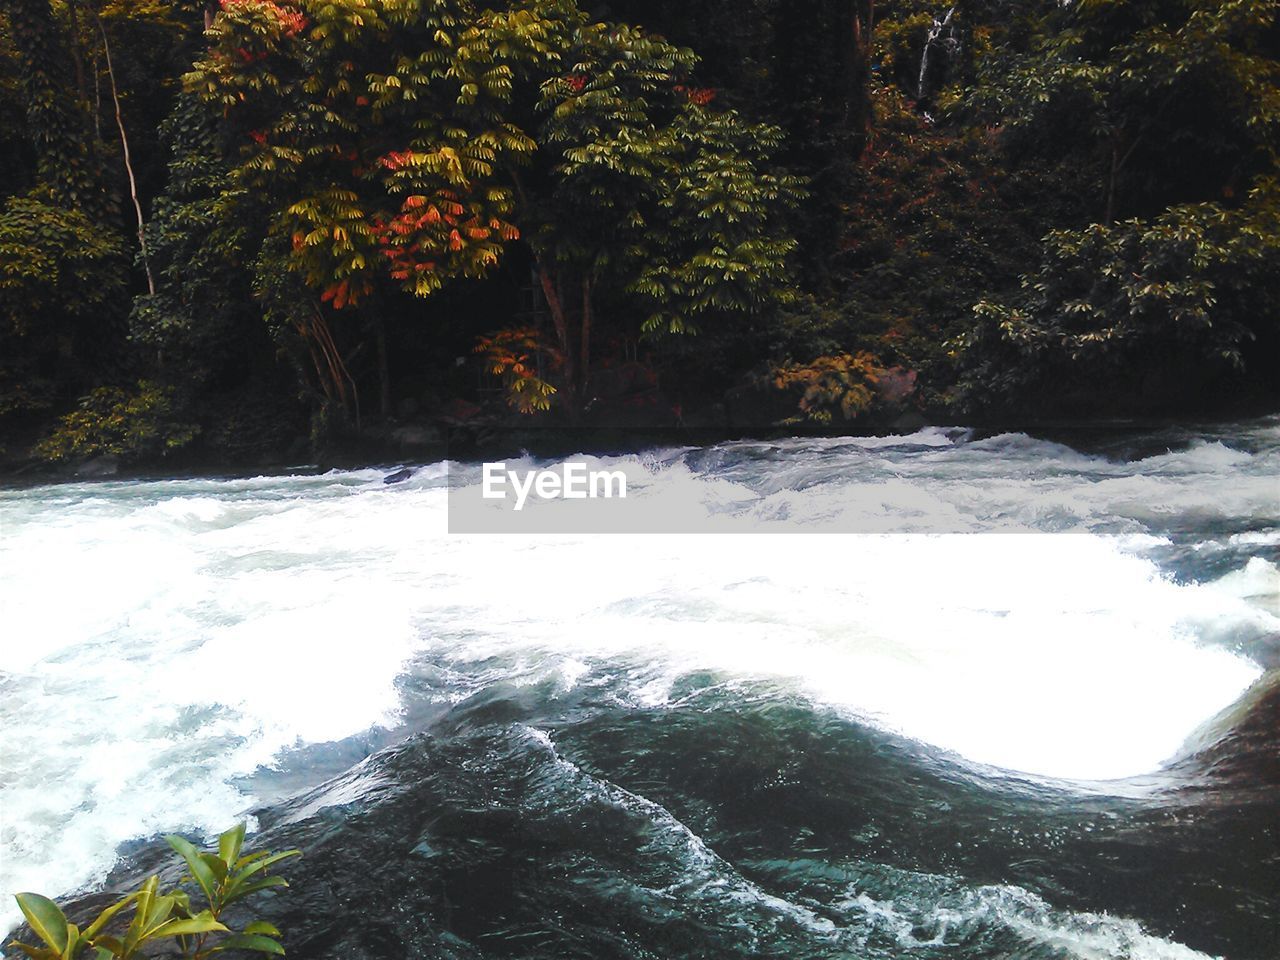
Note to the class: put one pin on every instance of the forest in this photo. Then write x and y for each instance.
(257, 230)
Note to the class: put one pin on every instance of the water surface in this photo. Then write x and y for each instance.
(1054, 743)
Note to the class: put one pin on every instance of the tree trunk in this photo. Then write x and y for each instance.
(1118, 163)
(97, 98)
(584, 356)
(859, 116)
(1110, 215)
(333, 376)
(128, 163)
(561, 323)
(77, 54)
(384, 369)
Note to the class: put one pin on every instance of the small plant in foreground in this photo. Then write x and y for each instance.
(223, 878)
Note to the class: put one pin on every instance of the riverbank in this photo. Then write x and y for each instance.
(413, 441)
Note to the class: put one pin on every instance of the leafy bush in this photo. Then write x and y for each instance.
(844, 382)
(1191, 287)
(61, 284)
(221, 878)
(513, 356)
(110, 420)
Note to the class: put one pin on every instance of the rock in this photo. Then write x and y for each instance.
(417, 436)
(896, 385)
(107, 465)
(458, 413)
(628, 382)
(400, 476)
(756, 405)
(909, 423)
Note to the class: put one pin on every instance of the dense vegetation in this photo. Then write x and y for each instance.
(244, 229)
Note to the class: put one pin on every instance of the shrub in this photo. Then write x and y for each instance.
(1195, 285)
(844, 382)
(513, 356)
(221, 878)
(111, 420)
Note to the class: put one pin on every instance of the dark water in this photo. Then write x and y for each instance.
(761, 827)
(975, 746)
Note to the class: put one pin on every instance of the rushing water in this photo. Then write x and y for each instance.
(1056, 744)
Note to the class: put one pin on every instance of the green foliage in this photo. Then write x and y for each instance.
(930, 223)
(16, 157)
(56, 263)
(133, 425)
(843, 383)
(371, 134)
(1168, 100)
(356, 190)
(62, 265)
(1189, 288)
(57, 122)
(199, 237)
(167, 919)
(512, 355)
(1165, 110)
(606, 103)
(646, 198)
(719, 245)
(61, 284)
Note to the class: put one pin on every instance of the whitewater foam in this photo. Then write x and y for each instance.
(167, 639)
(944, 914)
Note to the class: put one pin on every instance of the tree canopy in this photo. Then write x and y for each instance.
(229, 221)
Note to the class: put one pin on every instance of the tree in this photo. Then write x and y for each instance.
(1168, 100)
(386, 140)
(373, 134)
(859, 113)
(1185, 294)
(1174, 106)
(64, 259)
(645, 196)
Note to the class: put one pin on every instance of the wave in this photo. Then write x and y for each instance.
(184, 634)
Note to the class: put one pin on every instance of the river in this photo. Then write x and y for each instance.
(1032, 715)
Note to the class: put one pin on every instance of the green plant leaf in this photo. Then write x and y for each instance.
(35, 953)
(249, 858)
(263, 862)
(73, 942)
(239, 893)
(229, 844)
(261, 926)
(247, 941)
(161, 908)
(133, 936)
(200, 871)
(203, 922)
(215, 864)
(45, 919)
(106, 916)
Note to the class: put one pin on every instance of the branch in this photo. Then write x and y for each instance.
(128, 163)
